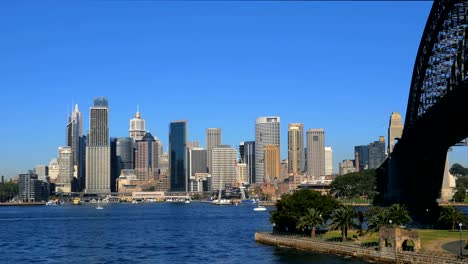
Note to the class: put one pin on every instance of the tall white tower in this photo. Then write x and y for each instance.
(267, 132)
(137, 126)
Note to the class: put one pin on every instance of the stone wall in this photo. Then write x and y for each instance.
(346, 249)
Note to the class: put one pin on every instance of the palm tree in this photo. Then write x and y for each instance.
(450, 214)
(343, 218)
(312, 218)
(399, 214)
(378, 219)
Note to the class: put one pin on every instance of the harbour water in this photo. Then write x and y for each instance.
(142, 233)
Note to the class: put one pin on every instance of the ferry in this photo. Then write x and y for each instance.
(76, 201)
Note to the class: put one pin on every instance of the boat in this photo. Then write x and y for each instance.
(51, 202)
(76, 201)
(260, 208)
(99, 207)
(187, 201)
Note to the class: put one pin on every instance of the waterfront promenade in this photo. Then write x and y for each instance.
(352, 249)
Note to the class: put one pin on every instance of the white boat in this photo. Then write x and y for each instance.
(260, 208)
(187, 201)
(99, 207)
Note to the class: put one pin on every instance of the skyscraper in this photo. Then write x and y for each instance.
(295, 147)
(178, 156)
(65, 176)
(213, 140)
(146, 158)
(361, 154)
(316, 152)
(249, 159)
(267, 131)
(98, 149)
(272, 163)
(377, 153)
(74, 132)
(82, 163)
(53, 169)
(224, 167)
(42, 172)
(122, 157)
(395, 129)
(137, 127)
(328, 161)
(198, 161)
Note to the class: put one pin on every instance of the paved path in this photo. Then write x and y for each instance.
(454, 247)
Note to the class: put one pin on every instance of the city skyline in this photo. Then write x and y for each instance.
(250, 78)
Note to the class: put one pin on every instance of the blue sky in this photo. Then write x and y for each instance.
(342, 66)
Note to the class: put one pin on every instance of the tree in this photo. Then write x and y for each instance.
(458, 170)
(450, 215)
(310, 220)
(459, 195)
(292, 206)
(378, 217)
(399, 214)
(355, 184)
(343, 219)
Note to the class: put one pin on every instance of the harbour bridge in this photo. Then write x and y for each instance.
(436, 116)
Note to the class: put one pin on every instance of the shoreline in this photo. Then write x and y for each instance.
(352, 250)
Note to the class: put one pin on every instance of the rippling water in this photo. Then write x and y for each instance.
(141, 233)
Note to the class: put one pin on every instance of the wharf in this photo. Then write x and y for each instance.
(23, 204)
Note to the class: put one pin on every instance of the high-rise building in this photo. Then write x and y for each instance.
(198, 161)
(316, 152)
(193, 144)
(241, 174)
(295, 147)
(98, 149)
(267, 132)
(42, 172)
(395, 129)
(361, 154)
(74, 132)
(241, 152)
(328, 161)
(137, 126)
(224, 167)
(53, 169)
(272, 163)
(122, 157)
(347, 166)
(213, 140)
(377, 153)
(82, 163)
(65, 176)
(178, 156)
(146, 158)
(30, 189)
(249, 159)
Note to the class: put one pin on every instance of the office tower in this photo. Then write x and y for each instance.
(82, 163)
(377, 153)
(213, 139)
(65, 176)
(241, 152)
(98, 149)
(178, 156)
(30, 189)
(347, 166)
(122, 157)
(395, 129)
(249, 159)
(74, 132)
(137, 127)
(295, 147)
(362, 152)
(272, 163)
(267, 131)
(224, 172)
(42, 172)
(242, 178)
(316, 152)
(198, 161)
(146, 158)
(193, 144)
(53, 169)
(328, 161)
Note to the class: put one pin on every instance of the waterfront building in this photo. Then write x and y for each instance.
(122, 157)
(147, 158)
(316, 152)
(53, 169)
(395, 130)
(65, 176)
(213, 140)
(31, 189)
(42, 172)
(328, 161)
(224, 167)
(249, 159)
(295, 147)
(199, 182)
(242, 178)
(198, 161)
(347, 166)
(128, 182)
(272, 163)
(361, 156)
(82, 163)
(377, 153)
(137, 126)
(98, 149)
(178, 156)
(267, 132)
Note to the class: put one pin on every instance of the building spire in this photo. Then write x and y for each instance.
(76, 108)
(138, 112)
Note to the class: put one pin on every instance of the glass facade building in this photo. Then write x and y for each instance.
(178, 156)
